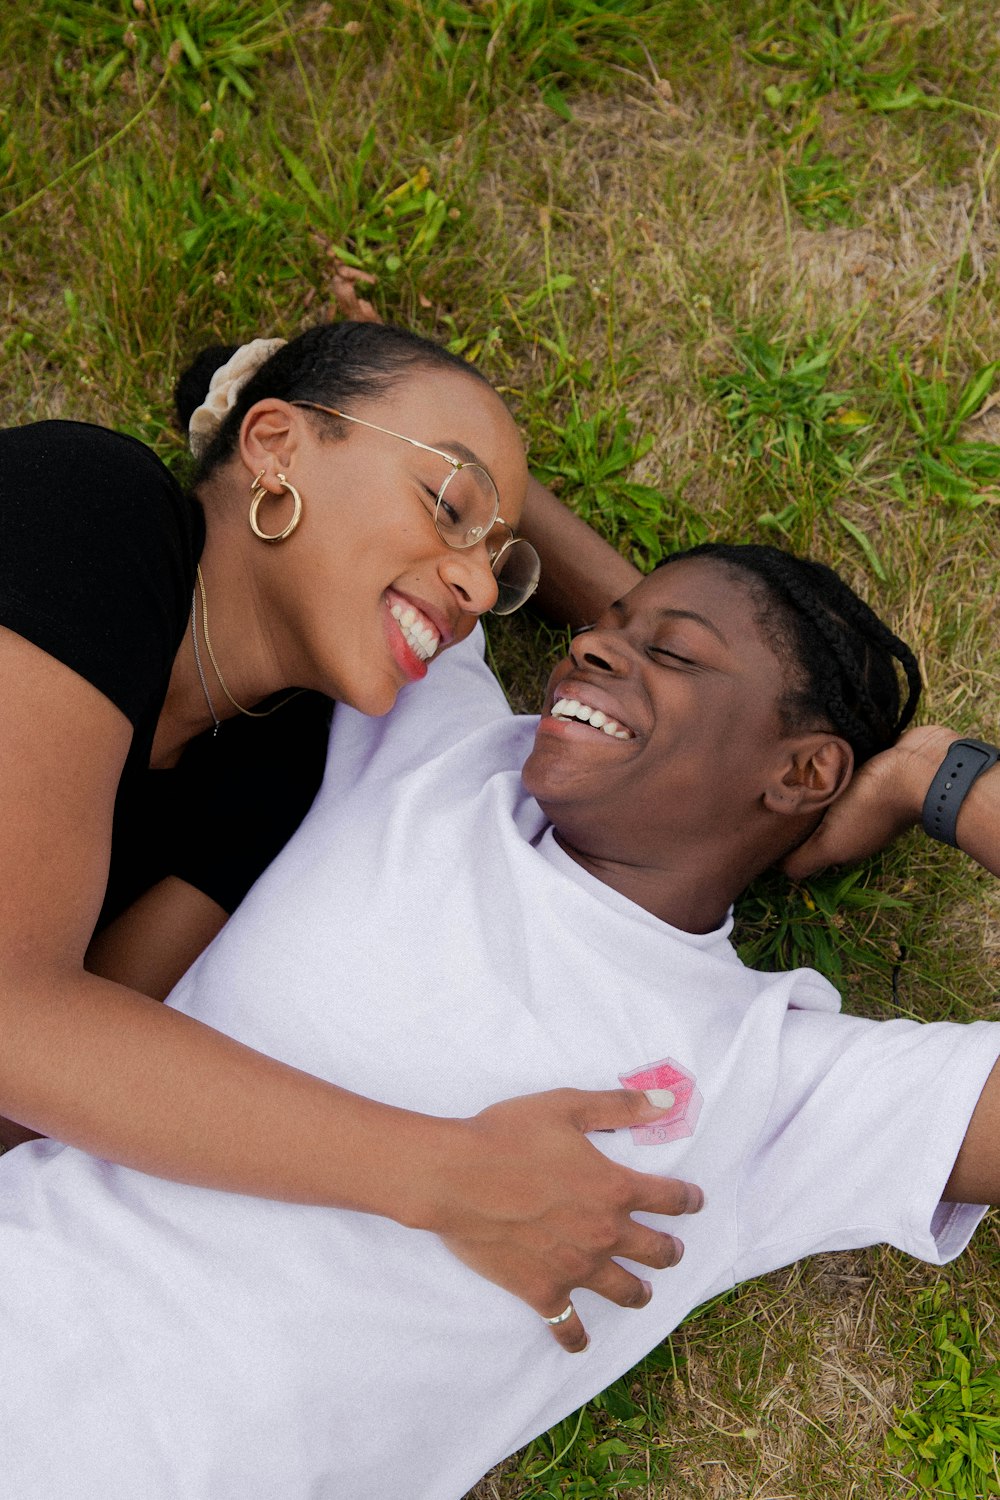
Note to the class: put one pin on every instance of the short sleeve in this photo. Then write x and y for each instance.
(98, 556)
(866, 1121)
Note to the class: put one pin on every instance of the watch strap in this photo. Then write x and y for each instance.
(965, 761)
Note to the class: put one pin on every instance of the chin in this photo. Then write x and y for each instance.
(373, 699)
(543, 782)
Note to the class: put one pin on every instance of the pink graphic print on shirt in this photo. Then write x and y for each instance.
(683, 1115)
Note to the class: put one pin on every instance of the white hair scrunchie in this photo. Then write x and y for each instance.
(224, 387)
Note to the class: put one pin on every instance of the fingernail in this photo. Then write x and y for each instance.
(661, 1098)
(696, 1199)
(649, 1288)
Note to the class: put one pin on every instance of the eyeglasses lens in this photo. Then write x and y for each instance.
(467, 506)
(466, 511)
(516, 570)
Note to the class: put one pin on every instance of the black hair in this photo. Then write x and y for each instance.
(843, 658)
(334, 363)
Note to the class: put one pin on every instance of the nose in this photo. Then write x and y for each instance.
(600, 650)
(469, 576)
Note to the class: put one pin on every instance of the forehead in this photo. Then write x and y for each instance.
(447, 409)
(460, 414)
(709, 594)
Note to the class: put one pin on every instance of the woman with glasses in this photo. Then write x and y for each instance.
(168, 662)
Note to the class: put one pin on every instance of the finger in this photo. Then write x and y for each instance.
(665, 1195)
(617, 1285)
(648, 1247)
(808, 858)
(349, 305)
(613, 1109)
(570, 1332)
(353, 273)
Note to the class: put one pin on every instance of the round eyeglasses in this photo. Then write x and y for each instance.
(467, 512)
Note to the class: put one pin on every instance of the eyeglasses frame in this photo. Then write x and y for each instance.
(455, 464)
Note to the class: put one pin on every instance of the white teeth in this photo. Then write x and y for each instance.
(572, 708)
(418, 633)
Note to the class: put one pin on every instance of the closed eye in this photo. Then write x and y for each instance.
(448, 512)
(685, 661)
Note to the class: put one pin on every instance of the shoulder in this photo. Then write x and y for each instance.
(98, 557)
(78, 459)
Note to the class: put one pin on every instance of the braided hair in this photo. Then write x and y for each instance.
(334, 363)
(843, 658)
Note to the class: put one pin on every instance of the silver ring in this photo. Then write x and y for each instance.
(563, 1317)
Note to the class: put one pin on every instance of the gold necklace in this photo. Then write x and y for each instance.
(251, 713)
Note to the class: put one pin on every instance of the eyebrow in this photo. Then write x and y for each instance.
(619, 608)
(459, 450)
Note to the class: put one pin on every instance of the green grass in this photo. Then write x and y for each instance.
(734, 268)
(949, 1439)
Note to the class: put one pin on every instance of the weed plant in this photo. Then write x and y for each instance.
(735, 269)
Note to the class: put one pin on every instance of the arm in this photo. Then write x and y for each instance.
(885, 799)
(581, 573)
(517, 1190)
(975, 1177)
(157, 938)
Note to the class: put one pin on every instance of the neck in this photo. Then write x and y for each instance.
(689, 887)
(240, 640)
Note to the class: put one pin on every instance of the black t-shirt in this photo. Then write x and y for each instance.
(98, 549)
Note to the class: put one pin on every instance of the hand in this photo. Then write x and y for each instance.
(885, 798)
(348, 303)
(536, 1208)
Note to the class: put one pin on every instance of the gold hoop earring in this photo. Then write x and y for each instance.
(258, 494)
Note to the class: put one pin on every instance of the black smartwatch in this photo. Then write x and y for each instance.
(965, 761)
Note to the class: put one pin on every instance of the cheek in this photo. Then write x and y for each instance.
(463, 629)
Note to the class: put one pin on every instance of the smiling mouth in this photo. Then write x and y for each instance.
(417, 631)
(582, 713)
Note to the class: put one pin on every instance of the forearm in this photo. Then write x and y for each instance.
(130, 1080)
(517, 1191)
(581, 573)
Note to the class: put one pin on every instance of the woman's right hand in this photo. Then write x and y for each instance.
(532, 1205)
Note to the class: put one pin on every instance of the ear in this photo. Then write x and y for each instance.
(817, 769)
(268, 437)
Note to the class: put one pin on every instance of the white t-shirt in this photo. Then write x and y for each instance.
(425, 941)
